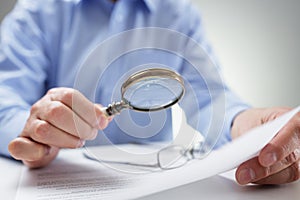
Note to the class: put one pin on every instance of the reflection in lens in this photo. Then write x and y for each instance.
(153, 93)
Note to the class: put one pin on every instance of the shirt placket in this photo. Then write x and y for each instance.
(119, 17)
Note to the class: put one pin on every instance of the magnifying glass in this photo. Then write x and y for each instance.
(148, 90)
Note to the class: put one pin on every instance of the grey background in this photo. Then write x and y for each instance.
(257, 43)
(5, 7)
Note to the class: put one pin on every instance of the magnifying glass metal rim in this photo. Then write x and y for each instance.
(151, 73)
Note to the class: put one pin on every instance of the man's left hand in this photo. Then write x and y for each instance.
(279, 161)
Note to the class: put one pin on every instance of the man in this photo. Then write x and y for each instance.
(42, 46)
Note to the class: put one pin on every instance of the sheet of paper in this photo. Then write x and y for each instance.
(73, 176)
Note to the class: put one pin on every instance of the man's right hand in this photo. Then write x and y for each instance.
(63, 118)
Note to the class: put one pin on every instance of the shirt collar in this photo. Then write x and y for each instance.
(151, 4)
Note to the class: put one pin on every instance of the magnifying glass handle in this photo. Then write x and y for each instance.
(114, 108)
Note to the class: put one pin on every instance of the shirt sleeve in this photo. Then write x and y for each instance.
(23, 64)
(209, 104)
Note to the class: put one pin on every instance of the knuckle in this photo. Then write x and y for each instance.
(52, 91)
(42, 130)
(295, 172)
(266, 171)
(62, 94)
(282, 151)
(67, 95)
(55, 110)
(34, 108)
(291, 158)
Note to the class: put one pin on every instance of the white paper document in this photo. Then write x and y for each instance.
(72, 176)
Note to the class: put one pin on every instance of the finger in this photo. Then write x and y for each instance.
(287, 175)
(252, 170)
(44, 161)
(23, 148)
(283, 144)
(45, 133)
(84, 108)
(62, 117)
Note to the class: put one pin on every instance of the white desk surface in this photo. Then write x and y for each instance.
(217, 187)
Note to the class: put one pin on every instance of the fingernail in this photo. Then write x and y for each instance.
(246, 176)
(269, 159)
(81, 143)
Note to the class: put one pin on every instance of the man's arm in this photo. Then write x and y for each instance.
(34, 126)
(279, 161)
(209, 103)
(23, 64)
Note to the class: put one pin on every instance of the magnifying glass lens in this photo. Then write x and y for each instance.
(153, 93)
(148, 90)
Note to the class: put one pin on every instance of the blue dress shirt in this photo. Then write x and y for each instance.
(44, 43)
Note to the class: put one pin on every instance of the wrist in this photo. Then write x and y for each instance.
(245, 121)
